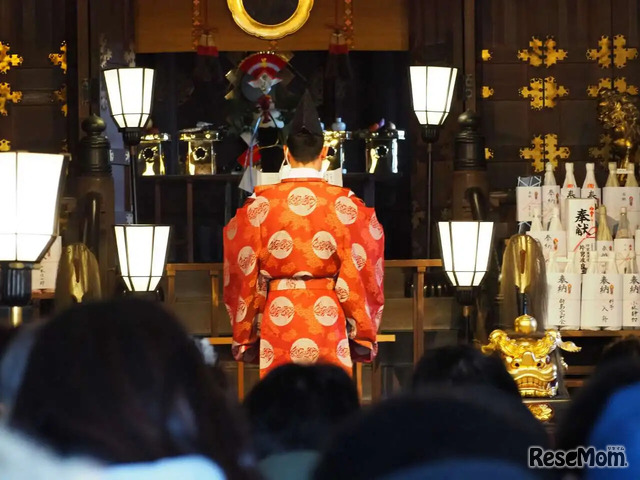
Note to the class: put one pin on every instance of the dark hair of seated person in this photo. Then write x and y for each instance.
(305, 146)
(296, 407)
(122, 382)
(624, 347)
(575, 426)
(458, 365)
(445, 423)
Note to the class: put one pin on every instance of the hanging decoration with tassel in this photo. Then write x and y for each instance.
(207, 67)
(338, 64)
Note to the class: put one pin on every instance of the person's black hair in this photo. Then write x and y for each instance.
(296, 407)
(575, 426)
(458, 365)
(305, 146)
(625, 347)
(121, 382)
(470, 422)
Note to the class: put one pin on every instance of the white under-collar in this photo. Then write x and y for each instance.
(304, 172)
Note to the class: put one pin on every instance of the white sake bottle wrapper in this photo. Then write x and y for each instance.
(550, 200)
(564, 193)
(631, 300)
(563, 300)
(601, 301)
(614, 198)
(527, 200)
(551, 241)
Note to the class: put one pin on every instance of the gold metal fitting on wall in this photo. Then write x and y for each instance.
(61, 96)
(60, 58)
(619, 83)
(6, 95)
(543, 93)
(542, 52)
(621, 53)
(487, 91)
(8, 60)
(544, 148)
(486, 55)
(5, 145)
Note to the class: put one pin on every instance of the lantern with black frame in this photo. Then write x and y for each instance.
(142, 249)
(466, 249)
(31, 186)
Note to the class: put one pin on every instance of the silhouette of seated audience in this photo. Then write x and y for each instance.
(292, 413)
(121, 383)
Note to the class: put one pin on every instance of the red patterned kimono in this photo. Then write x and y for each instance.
(303, 276)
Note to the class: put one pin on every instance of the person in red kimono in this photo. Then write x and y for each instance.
(304, 265)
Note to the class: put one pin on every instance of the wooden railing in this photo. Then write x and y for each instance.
(214, 270)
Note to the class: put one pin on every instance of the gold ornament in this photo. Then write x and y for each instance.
(542, 411)
(621, 54)
(6, 95)
(486, 91)
(540, 52)
(61, 96)
(528, 359)
(621, 119)
(544, 148)
(603, 150)
(543, 97)
(269, 31)
(7, 61)
(488, 153)
(5, 145)
(486, 55)
(60, 58)
(619, 84)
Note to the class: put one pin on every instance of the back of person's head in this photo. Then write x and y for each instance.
(459, 365)
(618, 425)
(122, 382)
(296, 407)
(621, 348)
(305, 146)
(464, 423)
(587, 405)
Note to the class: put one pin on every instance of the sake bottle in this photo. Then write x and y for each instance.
(555, 225)
(569, 190)
(550, 194)
(594, 263)
(612, 179)
(604, 239)
(631, 176)
(571, 263)
(590, 187)
(623, 243)
(536, 223)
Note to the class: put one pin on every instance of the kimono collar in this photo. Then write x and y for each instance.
(304, 172)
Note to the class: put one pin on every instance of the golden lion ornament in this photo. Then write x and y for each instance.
(528, 359)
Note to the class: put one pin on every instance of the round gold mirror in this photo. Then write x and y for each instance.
(270, 19)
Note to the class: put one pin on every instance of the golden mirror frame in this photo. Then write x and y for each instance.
(270, 32)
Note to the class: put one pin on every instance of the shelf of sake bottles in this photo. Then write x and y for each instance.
(599, 333)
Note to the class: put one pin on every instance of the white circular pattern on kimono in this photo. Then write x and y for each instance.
(265, 274)
(280, 245)
(375, 229)
(241, 312)
(229, 312)
(232, 228)
(378, 317)
(261, 286)
(346, 210)
(258, 210)
(326, 311)
(302, 274)
(351, 194)
(324, 245)
(304, 351)
(343, 353)
(342, 290)
(281, 311)
(266, 354)
(379, 272)
(302, 201)
(246, 260)
(290, 284)
(225, 273)
(358, 255)
(352, 328)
